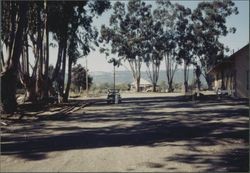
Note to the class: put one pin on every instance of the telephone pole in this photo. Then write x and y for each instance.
(114, 76)
(87, 81)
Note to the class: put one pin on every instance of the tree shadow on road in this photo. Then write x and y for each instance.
(236, 160)
(194, 127)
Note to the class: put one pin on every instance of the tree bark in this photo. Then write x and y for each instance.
(208, 80)
(135, 66)
(154, 87)
(26, 47)
(9, 76)
(8, 91)
(29, 84)
(2, 64)
(39, 77)
(46, 49)
(13, 13)
(197, 74)
(113, 76)
(63, 68)
(66, 94)
(58, 62)
(138, 84)
(170, 86)
(171, 67)
(185, 78)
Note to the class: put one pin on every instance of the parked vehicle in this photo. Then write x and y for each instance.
(114, 96)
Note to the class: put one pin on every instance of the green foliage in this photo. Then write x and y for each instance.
(177, 87)
(79, 78)
(163, 86)
(103, 87)
(115, 62)
(73, 20)
(185, 39)
(123, 87)
(136, 34)
(209, 24)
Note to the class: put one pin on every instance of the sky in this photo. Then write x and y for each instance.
(98, 62)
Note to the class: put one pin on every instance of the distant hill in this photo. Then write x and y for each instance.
(126, 76)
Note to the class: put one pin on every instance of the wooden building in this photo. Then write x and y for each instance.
(144, 85)
(232, 75)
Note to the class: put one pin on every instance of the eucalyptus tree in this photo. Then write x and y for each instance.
(30, 22)
(72, 28)
(185, 40)
(36, 38)
(209, 21)
(166, 14)
(36, 80)
(125, 34)
(14, 25)
(36, 31)
(79, 76)
(61, 14)
(154, 49)
(150, 45)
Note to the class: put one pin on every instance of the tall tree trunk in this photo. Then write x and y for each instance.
(113, 75)
(171, 67)
(198, 82)
(66, 94)
(170, 86)
(46, 49)
(87, 79)
(13, 13)
(135, 66)
(138, 84)
(58, 62)
(208, 80)
(26, 47)
(39, 77)
(153, 72)
(28, 82)
(185, 78)
(8, 91)
(2, 64)
(9, 76)
(63, 69)
(154, 87)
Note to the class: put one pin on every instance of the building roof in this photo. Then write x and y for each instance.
(226, 63)
(229, 60)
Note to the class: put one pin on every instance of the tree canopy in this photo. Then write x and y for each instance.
(27, 24)
(79, 77)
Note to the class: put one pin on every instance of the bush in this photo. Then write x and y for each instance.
(177, 87)
(103, 87)
(123, 86)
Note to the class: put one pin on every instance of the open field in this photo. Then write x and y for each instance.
(146, 132)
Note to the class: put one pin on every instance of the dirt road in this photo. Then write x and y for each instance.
(141, 134)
